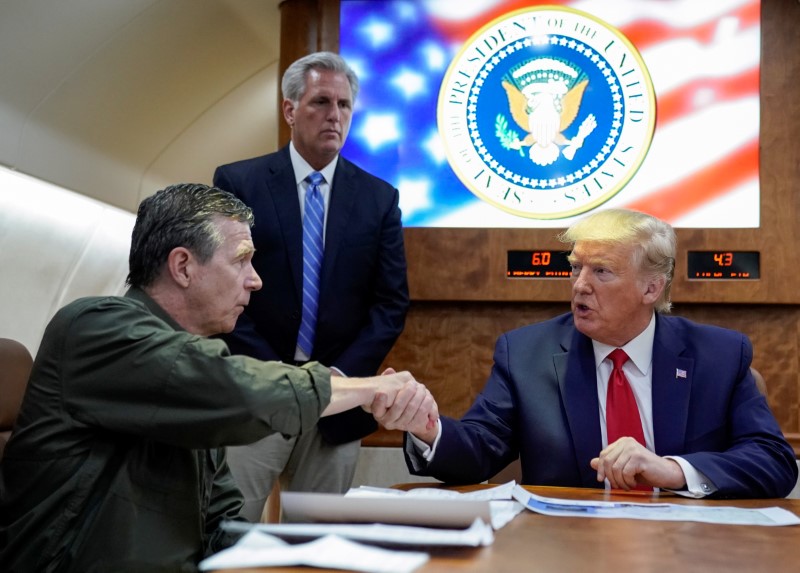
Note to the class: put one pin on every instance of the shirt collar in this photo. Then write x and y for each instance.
(639, 350)
(302, 169)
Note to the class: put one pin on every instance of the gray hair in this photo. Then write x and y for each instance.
(181, 215)
(655, 241)
(293, 84)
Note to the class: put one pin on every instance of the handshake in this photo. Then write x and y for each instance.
(395, 399)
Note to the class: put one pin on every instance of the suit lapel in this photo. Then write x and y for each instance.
(577, 380)
(672, 379)
(343, 194)
(283, 190)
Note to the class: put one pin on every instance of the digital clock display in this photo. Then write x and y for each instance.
(538, 264)
(723, 265)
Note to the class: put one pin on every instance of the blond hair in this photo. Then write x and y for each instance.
(653, 239)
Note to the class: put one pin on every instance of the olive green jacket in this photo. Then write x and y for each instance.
(114, 462)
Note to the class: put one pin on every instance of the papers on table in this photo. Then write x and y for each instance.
(336, 545)
(478, 534)
(259, 549)
(462, 514)
(654, 511)
(499, 492)
(332, 508)
(501, 506)
(429, 507)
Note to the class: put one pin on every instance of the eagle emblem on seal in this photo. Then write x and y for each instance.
(544, 98)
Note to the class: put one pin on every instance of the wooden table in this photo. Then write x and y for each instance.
(534, 543)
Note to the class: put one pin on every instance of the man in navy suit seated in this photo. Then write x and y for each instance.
(553, 397)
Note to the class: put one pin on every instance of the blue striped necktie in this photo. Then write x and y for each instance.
(312, 260)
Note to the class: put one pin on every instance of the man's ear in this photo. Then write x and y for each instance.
(288, 111)
(654, 288)
(179, 265)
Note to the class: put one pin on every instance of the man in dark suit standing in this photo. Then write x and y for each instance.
(329, 246)
(617, 391)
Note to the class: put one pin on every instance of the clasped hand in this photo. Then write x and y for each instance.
(408, 406)
(626, 463)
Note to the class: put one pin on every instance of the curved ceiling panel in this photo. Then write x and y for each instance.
(116, 99)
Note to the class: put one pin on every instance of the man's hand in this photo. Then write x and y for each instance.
(626, 463)
(389, 386)
(413, 408)
(347, 393)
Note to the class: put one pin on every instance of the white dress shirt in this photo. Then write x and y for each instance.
(302, 170)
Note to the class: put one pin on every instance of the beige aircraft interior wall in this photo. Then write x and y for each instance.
(55, 246)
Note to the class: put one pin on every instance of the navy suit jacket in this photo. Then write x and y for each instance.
(363, 288)
(540, 403)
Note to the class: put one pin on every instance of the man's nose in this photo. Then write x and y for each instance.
(334, 113)
(254, 282)
(580, 282)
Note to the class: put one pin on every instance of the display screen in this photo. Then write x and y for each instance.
(520, 113)
(719, 265)
(538, 264)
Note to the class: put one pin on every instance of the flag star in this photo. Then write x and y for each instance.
(414, 195)
(435, 147)
(378, 31)
(379, 129)
(409, 83)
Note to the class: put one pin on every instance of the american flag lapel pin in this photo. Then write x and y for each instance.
(680, 373)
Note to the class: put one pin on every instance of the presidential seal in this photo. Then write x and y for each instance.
(546, 112)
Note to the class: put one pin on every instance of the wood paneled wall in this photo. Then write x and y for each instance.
(461, 299)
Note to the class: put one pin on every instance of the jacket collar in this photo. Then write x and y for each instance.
(140, 296)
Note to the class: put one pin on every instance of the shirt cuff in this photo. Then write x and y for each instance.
(425, 451)
(697, 484)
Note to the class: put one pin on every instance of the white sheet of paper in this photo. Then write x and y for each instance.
(499, 492)
(259, 549)
(655, 511)
(305, 507)
(502, 506)
(478, 534)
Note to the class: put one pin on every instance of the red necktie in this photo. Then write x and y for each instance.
(622, 414)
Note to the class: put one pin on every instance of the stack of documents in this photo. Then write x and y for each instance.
(430, 507)
(476, 535)
(423, 517)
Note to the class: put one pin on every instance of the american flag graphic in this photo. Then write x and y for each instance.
(703, 58)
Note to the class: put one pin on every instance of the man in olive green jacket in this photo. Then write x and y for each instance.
(116, 461)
